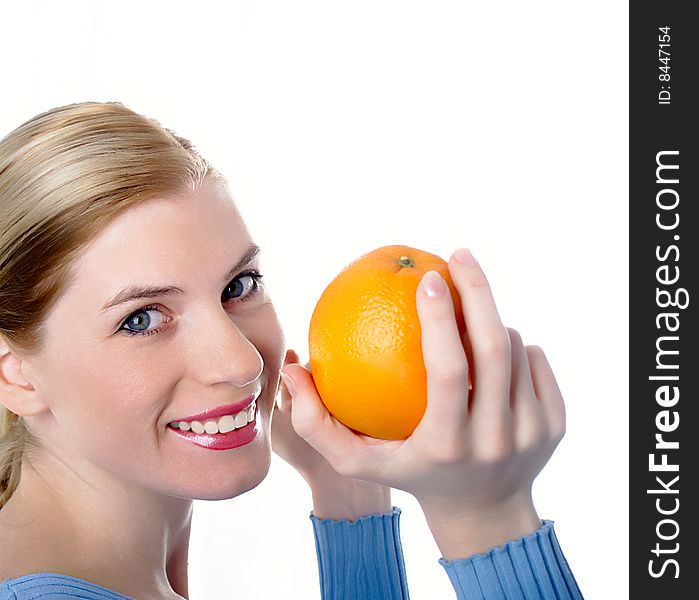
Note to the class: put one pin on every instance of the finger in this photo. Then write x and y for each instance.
(529, 419)
(284, 404)
(312, 421)
(291, 357)
(444, 357)
(489, 341)
(547, 391)
(521, 386)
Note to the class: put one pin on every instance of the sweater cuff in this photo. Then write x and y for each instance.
(362, 558)
(532, 566)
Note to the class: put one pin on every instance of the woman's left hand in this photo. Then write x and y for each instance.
(472, 459)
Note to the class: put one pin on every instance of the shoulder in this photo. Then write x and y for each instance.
(32, 571)
(53, 586)
(28, 557)
(33, 565)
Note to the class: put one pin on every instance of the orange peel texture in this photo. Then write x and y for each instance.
(365, 341)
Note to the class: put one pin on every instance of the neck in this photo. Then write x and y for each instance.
(176, 566)
(128, 540)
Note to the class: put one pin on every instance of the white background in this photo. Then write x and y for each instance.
(345, 126)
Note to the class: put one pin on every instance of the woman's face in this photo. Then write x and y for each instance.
(110, 394)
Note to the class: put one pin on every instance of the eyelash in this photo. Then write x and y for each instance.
(256, 277)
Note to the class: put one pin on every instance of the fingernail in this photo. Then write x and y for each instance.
(290, 357)
(464, 256)
(289, 383)
(433, 284)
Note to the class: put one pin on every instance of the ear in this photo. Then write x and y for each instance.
(16, 393)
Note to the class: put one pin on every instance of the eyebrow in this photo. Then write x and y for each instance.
(135, 292)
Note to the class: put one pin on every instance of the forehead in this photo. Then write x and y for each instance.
(173, 240)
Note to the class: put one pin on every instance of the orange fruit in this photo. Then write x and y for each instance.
(365, 341)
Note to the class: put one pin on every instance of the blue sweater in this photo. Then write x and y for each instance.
(364, 559)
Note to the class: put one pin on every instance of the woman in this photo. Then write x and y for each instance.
(131, 303)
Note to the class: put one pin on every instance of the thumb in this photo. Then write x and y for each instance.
(312, 421)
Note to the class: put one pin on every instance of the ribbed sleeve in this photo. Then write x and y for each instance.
(531, 567)
(362, 558)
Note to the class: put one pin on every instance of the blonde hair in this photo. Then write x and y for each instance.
(64, 175)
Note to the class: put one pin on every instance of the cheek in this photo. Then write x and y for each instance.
(108, 390)
(270, 342)
(107, 409)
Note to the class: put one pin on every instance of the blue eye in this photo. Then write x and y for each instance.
(137, 319)
(253, 285)
(235, 287)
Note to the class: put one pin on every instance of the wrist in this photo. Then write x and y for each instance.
(339, 497)
(463, 532)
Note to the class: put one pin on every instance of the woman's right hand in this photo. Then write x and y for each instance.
(335, 496)
(287, 443)
(472, 459)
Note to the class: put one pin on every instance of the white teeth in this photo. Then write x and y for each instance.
(226, 424)
(241, 419)
(222, 425)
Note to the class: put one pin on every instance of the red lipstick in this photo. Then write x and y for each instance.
(221, 411)
(222, 441)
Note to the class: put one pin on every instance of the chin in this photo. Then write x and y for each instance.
(237, 480)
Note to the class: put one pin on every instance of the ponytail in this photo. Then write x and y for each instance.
(13, 436)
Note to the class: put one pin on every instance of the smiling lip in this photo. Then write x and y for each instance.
(222, 411)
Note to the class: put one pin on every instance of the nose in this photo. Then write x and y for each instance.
(223, 353)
